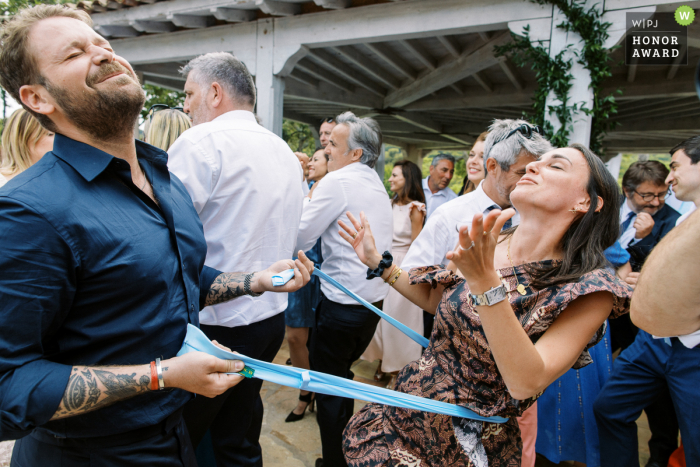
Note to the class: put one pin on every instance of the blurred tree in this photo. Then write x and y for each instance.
(158, 95)
(10, 7)
(299, 137)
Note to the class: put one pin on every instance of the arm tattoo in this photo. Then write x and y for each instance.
(225, 287)
(91, 388)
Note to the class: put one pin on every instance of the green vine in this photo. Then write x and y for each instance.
(554, 73)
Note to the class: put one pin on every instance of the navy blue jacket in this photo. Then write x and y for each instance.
(664, 220)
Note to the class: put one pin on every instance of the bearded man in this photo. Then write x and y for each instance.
(102, 265)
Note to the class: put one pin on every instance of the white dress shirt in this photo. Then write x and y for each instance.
(354, 188)
(440, 234)
(246, 185)
(627, 237)
(435, 200)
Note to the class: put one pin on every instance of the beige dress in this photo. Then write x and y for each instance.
(393, 347)
(6, 446)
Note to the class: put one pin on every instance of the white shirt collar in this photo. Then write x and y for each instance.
(237, 115)
(427, 189)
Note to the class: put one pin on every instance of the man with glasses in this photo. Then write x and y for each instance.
(645, 219)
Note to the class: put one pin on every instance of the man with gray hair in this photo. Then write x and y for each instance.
(436, 185)
(246, 185)
(344, 328)
(509, 147)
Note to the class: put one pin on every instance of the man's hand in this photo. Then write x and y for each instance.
(304, 161)
(632, 278)
(201, 373)
(644, 224)
(303, 267)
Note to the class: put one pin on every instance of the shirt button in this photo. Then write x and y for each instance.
(192, 307)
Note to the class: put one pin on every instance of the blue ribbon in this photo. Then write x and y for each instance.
(196, 341)
(397, 324)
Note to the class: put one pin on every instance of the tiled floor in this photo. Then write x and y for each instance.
(298, 445)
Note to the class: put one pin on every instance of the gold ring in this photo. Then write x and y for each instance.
(354, 236)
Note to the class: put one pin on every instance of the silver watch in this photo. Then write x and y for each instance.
(490, 297)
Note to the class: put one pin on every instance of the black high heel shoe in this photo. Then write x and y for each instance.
(310, 402)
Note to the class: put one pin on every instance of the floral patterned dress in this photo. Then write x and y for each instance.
(458, 367)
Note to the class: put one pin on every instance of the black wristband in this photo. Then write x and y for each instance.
(386, 261)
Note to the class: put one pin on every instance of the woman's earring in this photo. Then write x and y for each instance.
(574, 210)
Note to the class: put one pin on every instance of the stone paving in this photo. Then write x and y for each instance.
(298, 444)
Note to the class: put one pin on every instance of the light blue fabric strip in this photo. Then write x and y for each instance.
(397, 324)
(282, 277)
(195, 340)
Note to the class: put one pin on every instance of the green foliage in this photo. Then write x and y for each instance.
(158, 95)
(10, 7)
(299, 137)
(629, 159)
(553, 74)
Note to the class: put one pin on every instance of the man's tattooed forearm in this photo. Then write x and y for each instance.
(225, 287)
(89, 389)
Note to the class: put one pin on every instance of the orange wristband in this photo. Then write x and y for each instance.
(154, 377)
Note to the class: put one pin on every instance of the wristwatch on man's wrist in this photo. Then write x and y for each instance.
(490, 297)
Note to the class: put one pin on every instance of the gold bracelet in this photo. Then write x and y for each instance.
(396, 278)
(393, 270)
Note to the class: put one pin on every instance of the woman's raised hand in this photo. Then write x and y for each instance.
(475, 252)
(361, 238)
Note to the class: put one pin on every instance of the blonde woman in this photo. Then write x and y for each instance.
(476, 171)
(24, 142)
(166, 126)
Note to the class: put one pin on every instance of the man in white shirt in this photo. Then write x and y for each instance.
(665, 303)
(509, 147)
(436, 185)
(246, 185)
(343, 327)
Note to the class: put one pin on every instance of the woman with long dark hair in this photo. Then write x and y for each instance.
(514, 311)
(393, 348)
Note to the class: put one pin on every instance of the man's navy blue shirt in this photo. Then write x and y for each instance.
(93, 272)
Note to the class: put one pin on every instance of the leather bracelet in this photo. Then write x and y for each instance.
(159, 372)
(246, 285)
(386, 261)
(154, 377)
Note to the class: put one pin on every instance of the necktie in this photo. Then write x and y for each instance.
(627, 222)
(508, 223)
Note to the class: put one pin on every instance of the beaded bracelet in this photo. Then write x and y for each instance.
(386, 261)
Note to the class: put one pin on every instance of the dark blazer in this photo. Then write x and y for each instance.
(664, 220)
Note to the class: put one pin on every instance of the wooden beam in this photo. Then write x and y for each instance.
(427, 124)
(233, 15)
(368, 66)
(277, 8)
(304, 78)
(117, 31)
(336, 66)
(502, 96)
(191, 21)
(449, 45)
(165, 70)
(483, 82)
(297, 117)
(167, 83)
(323, 75)
(393, 60)
(327, 94)
(508, 70)
(447, 74)
(333, 4)
(152, 27)
(420, 53)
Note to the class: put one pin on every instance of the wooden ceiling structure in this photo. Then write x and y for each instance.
(425, 69)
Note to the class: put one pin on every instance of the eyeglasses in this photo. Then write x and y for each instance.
(156, 107)
(647, 197)
(525, 130)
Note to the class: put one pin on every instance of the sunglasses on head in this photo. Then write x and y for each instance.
(156, 107)
(328, 120)
(525, 130)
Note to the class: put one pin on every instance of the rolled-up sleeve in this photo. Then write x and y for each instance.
(37, 284)
(327, 204)
(206, 279)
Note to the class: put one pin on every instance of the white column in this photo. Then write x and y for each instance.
(580, 92)
(270, 87)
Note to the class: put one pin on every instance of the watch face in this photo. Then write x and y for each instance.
(495, 295)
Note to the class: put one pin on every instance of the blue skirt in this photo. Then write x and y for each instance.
(301, 305)
(566, 426)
